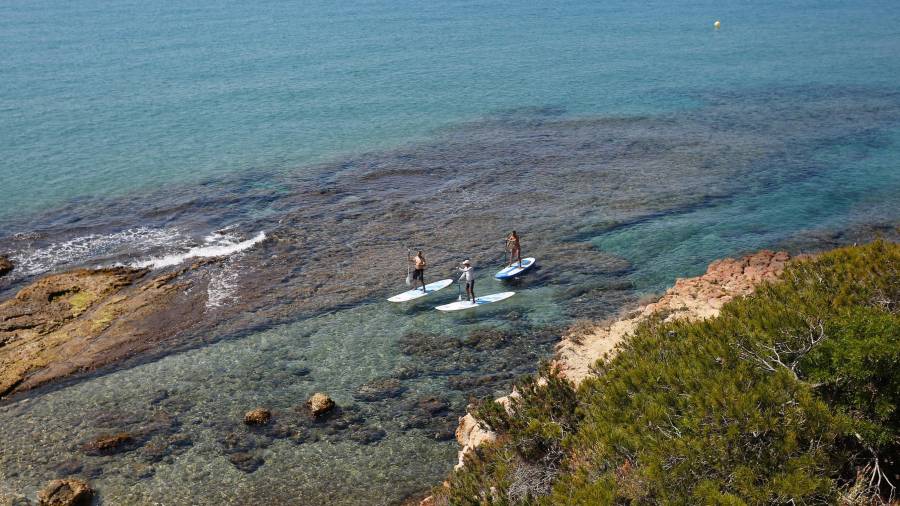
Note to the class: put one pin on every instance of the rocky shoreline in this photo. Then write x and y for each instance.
(585, 343)
(77, 321)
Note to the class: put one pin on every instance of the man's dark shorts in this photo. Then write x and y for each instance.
(419, 274)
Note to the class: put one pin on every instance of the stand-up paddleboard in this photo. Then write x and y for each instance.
(416, 293)
(479, 301)
(514, 269)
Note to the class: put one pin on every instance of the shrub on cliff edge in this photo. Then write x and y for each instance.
(788, 396)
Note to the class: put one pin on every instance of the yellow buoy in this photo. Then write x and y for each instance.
(717, 24)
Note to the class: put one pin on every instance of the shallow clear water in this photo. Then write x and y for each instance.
(209, 390)
(630, 144)
(857, 185)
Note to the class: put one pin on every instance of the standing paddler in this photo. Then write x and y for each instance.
(468, 273)
(514, 248)
(419, 265)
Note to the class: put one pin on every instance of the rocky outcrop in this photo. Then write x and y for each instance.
(258, 416)
(470, 434)
(76, 321)
(691, 298)
(5, 266)
(68, 492)
(319, 404)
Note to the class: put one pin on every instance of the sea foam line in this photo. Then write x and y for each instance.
(82, 249)
(214, 247)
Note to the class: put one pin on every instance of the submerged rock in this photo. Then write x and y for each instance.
(367, 435)
(68, 492)
(110, 444)
(5, 266)
(433, 405)
(258, 416)
(72, 467)
(244, 450)
(246, 461)
(468, 382)
(165, 447)
(407, 372)
(319, 404)
(379, 389)
(14, 500)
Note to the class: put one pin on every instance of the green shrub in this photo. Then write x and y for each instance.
(788, 396)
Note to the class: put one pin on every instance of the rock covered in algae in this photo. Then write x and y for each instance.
(76, 321)
(258, 416)
(319, 404)
(110, 444)
(67, 492)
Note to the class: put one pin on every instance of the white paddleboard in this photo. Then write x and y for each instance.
(479, 301)
(416, 293)
(514, 269)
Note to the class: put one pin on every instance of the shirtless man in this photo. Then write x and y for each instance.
(468, 273)
(514, 248)
(419, 272)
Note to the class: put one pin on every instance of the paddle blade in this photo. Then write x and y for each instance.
(408, 279)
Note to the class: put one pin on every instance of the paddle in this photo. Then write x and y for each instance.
(408, 273)
(505, 254)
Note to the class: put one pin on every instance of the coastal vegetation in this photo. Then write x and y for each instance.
(788, 396)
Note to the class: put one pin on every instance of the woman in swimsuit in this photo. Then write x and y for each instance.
(514, 248)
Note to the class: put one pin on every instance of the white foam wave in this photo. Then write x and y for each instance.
(223, 285)
(213, 246)
(82, 249)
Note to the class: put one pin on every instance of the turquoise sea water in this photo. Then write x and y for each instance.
(109, 97)
(631, 143)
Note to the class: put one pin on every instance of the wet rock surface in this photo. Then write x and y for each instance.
(68, 323)
(68, 492)
(258, 416)
(319, 404)
(5, 266)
